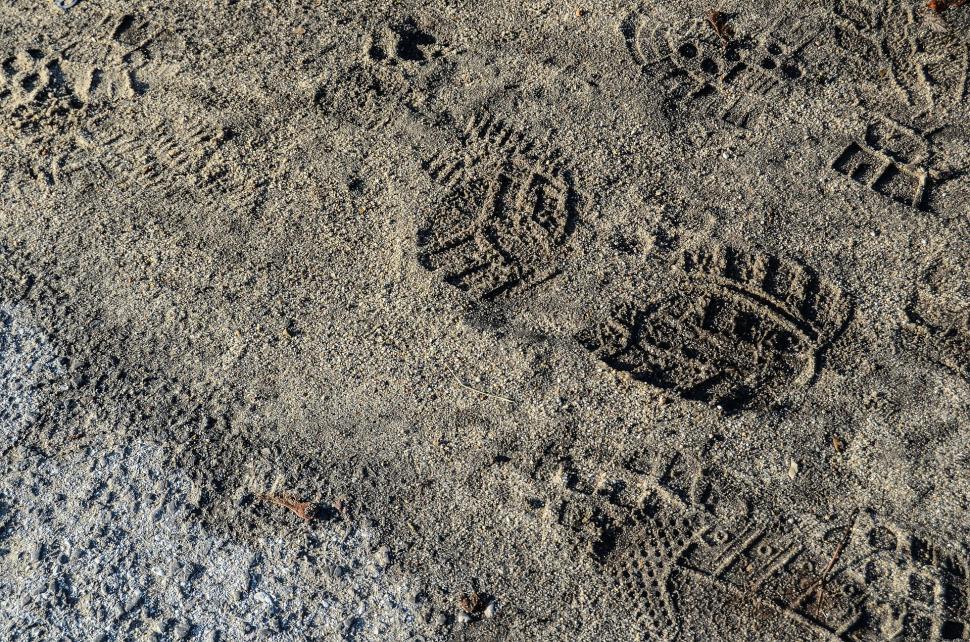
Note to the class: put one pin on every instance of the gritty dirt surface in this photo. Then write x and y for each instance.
(484, 321)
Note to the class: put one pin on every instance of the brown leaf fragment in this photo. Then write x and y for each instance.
(471, 603)
(940, 6)
(719, 22)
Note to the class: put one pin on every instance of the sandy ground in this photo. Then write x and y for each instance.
(557, 321)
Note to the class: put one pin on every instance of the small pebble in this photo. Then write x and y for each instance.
(182, 630)
(352, 623)
(174, 567)
(490, 610)
(382, 557)
(464, 618)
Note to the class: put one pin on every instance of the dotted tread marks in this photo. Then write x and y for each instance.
(646, 577)
(738, 81)
(615, 519)
(508, 215)
(35, 93)
(852, 578)
(739, 330)
(31, 77)
(40, 108)
(923, 68)
(402, 44)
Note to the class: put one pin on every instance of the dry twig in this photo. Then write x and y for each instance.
(305, 510)
(481, 392)
(823, 578)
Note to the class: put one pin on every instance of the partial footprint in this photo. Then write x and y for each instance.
(738, 81)
(404, 43)
(685, 535)
(508, 216)
(938, 315)
(733, 329)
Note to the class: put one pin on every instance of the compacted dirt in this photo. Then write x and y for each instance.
(484, 321)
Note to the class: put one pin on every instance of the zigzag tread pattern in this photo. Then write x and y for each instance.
(507, 216)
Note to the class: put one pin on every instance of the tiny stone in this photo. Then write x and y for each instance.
(490, 610)
(383, 557)
(464, 618)
(792, 469)
(174, 567)
(351, 623)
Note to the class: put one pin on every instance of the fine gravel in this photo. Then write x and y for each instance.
(429, 320)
